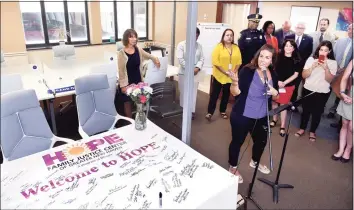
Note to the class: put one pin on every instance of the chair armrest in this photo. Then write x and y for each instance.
(82, 133)
(56, 139)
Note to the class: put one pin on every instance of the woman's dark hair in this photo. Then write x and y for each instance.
(265, 26)
(327, 44)
(198, 31)
(254, 63)
(223, 34)
(127, 34)
(295, 55)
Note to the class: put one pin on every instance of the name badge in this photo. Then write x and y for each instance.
(282, 90)
(260, 36)
(248, 38)
(230, 66)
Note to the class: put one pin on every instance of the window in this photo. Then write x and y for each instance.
(32, 22)
(107, 20)
(118, 16)
(48, 22)
(140, 18)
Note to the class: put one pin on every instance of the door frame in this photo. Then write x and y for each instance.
(219, 11)
(220, 7)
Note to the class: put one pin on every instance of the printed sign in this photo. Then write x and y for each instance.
(61, 90)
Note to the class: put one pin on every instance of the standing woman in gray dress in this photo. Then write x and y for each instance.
(345, 109)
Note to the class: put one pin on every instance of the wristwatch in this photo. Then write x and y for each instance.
(343, 91)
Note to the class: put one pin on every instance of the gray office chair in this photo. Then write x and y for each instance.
(10, 83)
(163, 101)
(24, 128)
(64, 52)
(110, 69)
(95, 106)
(119, 45)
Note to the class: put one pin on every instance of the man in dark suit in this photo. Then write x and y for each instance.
(283, 32)
(304, 43)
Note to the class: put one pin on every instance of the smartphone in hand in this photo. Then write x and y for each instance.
(321, 59)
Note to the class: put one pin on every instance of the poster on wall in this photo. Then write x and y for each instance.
(345, 18)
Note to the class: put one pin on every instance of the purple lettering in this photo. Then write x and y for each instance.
(92, 145)
(29, 192)
(144, 148)
(94, 169)
(113, 138)
(152, 144)
(45, 188)
(133, 152)
(112, 162)
(49, 160)
(69, 180)
(124, 155)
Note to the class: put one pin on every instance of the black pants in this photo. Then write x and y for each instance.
(313, 105)
(295, 93)
(217, 86)
(241, 126)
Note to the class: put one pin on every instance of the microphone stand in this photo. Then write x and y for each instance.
(249, 194)
(275, 185)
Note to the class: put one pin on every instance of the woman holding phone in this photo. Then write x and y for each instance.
(226, 58)
(318, 73)
(287, 68)
(345, 109)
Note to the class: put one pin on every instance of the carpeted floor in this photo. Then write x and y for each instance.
(320, 183)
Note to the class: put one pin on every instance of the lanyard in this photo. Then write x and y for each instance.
(230, 53)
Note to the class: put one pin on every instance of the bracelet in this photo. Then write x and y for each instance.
(343, 91)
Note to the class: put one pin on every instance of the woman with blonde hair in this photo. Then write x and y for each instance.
(130, 66)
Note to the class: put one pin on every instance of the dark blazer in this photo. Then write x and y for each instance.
(245, 79)
(280, 36)
(305, 48)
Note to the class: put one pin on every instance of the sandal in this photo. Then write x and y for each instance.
(233, 170)
(273, 123)
(282, 134)
(312, 138)
(297, 134)
(208, 117)
(223, 115)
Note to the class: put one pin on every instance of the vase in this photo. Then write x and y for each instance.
(140, 117)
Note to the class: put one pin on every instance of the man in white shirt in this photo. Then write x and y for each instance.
(199, 61)
(322, 34)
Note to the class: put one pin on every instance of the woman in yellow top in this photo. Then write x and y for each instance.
(226, 58)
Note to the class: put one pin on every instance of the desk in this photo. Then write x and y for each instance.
(34, 79)
(63, 74)
(123, 169)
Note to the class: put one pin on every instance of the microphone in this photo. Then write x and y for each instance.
(264, 70)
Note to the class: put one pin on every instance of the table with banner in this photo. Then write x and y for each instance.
(119, 169)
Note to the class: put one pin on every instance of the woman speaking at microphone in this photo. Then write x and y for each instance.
(249, 113)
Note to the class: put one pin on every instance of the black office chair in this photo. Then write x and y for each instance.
(163, 101)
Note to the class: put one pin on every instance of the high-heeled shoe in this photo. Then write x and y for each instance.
(335, 158)
(343, 160)
(281, 133)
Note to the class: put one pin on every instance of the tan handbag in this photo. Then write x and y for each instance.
(336, 84)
